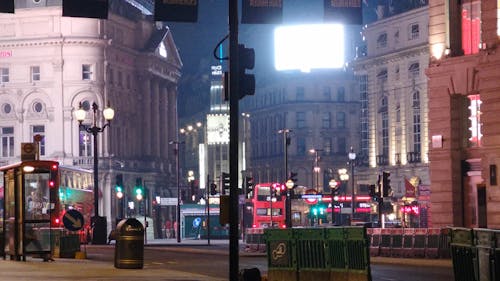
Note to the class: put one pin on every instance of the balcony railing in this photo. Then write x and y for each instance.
(382, 160)
(413, 157)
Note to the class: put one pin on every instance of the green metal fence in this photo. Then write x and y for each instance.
(340, 253)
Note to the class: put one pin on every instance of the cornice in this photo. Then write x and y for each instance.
(36, 42)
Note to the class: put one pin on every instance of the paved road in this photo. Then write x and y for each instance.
(173, 263)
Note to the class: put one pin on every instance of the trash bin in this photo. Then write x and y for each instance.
(129, 247)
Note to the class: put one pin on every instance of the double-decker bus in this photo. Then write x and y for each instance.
(265, 207)
(34, 197)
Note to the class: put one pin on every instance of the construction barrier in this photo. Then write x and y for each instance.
(311, 254)
(254, 240)
(282, 255)
(463, 254)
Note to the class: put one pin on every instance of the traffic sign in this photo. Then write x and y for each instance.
(73, 220)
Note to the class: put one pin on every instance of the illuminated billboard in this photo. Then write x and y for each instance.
(306, 47)
(217, 129)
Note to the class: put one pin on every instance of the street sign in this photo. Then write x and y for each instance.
(168, 201)
(73, 220)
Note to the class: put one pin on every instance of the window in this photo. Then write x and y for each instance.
(327, 146)
(341, 94)
(341, 120)
(85, 142)
(416, 123)
(86, 72)
(414, 31)
(35, 73)
(6, 108)
(471, 26)
(385, 127)
(414, 70)
(341, 145)
(4, 74)
(7, 142)
(39, 130)
(327, 93)
(301, 146)
(300, 94)
(475, 120)
(326, 120)
(382, 40)
(301, 119)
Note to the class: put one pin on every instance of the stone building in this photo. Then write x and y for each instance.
(394, 112)
(463, 79)
(50, 64)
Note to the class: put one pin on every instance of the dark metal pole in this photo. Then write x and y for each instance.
(96, 174)
(208, 209)
(233, 140)
(288, 205)
(178, 219)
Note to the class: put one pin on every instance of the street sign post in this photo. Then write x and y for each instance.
(73, 220)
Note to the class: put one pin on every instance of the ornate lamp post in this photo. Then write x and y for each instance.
(99, 223)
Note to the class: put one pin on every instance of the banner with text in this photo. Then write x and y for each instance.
(343, 11)
(176, 10)
(262, 11)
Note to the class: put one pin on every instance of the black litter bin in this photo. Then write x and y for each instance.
(129, 247)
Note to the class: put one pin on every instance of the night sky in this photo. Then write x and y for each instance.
(196, 41)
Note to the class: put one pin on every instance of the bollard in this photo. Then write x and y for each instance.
(129, 247)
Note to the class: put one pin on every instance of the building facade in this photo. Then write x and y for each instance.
(463, 112)
(319, 115)
(394, 113)
(51, 65)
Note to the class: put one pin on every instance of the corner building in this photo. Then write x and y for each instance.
(50, 64)
(464, 101)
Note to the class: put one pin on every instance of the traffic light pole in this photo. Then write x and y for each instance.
(233, 140)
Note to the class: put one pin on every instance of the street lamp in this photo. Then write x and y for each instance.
(178, 217)
(316, 168)
(344, 177)
(352, 157)
(99, 223)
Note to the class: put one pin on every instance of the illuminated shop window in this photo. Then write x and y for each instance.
(475, 120)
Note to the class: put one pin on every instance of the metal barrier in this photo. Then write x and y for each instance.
(254, 240)
(385, 242)
(311, 254)
(358, 254)
(433, 238)
(408, 240)
(337, 253)
(318, 254)
(419, 242)
(397, 242)
(463, 254)
(374, 234)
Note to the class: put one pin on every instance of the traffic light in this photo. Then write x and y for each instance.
(293, 177)
(246, 61)
(226, 184)
(119, 186)
(213, 189)
(249, 185)
(386, 184)
(138, 189)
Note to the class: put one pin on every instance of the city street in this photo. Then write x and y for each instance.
(194, 260)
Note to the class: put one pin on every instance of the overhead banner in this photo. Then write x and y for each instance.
(97, 9)
(262, 11)
(176, 10)
(7, 6)
(343, 11)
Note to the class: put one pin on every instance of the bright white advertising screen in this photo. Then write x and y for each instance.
(217, 128)
(306, 47)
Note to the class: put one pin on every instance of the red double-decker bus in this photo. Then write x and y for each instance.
(265, 207)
